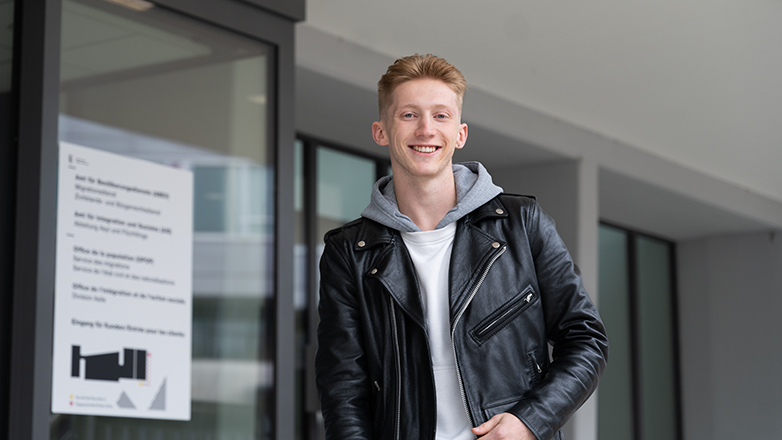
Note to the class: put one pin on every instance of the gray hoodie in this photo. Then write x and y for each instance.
(474, 187)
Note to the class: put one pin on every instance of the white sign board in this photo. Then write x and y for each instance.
(123, 292)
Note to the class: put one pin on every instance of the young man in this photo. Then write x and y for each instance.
(438, 305)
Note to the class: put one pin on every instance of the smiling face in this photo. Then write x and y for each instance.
(421, 128)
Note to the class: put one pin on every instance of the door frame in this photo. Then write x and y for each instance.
(37, 87)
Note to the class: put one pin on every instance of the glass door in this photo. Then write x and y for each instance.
(143, 82)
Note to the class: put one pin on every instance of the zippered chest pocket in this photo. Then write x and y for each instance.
(501, 317)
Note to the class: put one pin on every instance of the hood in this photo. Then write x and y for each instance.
(474, 187)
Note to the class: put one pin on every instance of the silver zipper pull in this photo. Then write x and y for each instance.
(537, 365)
(528, 298)
(377, 385)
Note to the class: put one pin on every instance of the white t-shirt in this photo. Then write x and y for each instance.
(431, 255)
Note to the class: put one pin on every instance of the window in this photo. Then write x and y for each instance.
(639, 391)
(333, 187)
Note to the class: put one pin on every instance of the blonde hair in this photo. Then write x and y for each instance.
(417, 67)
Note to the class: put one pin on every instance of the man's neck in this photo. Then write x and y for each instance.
(426, 201)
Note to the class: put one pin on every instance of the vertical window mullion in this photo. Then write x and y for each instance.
(310, 171)
(675, 342)
(36, 70)
(635, 337)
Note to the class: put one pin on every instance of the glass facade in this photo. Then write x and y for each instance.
(638, 396)
(158, 86)
(344, 186)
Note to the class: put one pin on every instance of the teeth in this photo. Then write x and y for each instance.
(421, 149)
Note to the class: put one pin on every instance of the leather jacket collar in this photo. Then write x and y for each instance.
(401, 280)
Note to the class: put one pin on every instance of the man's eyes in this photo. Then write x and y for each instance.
(410, 115)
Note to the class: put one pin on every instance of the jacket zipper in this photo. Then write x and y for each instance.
(398, 369)
(522, 303)
(456, 321)
(537, 365)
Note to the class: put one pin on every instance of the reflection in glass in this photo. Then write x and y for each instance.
(157, 86)
(344, 187)
(656, 338)
(615, 399)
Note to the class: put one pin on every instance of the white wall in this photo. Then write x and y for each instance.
(730, 304)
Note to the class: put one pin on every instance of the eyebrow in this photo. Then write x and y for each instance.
(435, 107)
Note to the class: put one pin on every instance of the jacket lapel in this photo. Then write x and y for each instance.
(393, 268)
(473, 248)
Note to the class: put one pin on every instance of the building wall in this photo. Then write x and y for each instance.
(730, 297)
(554, 186)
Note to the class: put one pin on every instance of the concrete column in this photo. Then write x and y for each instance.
(583, 424)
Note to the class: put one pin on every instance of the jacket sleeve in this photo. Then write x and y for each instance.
(573, 328)
(340, 366)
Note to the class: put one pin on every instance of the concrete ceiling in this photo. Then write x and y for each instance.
(696, 83)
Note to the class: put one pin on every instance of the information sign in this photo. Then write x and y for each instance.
(123, 288)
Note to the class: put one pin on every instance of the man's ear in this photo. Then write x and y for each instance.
(379, 133)
(462, 135)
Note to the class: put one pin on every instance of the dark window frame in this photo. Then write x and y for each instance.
(9, 103)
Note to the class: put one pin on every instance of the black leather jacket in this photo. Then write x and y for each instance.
(513, 289)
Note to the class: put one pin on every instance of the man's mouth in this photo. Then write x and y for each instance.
(424, 148)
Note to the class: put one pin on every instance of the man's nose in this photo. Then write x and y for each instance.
(425, 127)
